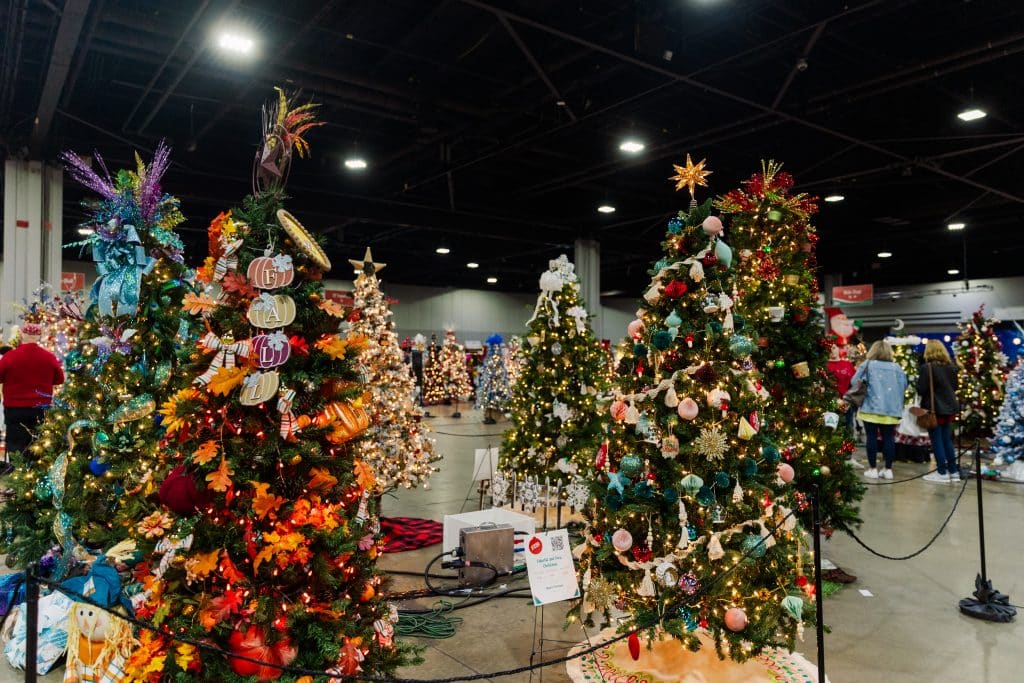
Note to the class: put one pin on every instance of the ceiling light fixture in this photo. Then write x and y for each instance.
(971, 114)
(884, 254)
(85, 231)
(833, 198)
(953, 271)
(632, 146)
(492, 280)
(472, 264)
(355, 163)
(606, 208)
(235, 43)
(956, 226)
(442, 250)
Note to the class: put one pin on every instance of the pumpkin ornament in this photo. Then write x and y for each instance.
(270, 311)
(271, 272)
(227, 352)
(259, 388)
(270, 350)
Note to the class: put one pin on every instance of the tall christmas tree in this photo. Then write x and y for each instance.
(99, 439)
(398, 446)
(515, 356)
(982, 374)
(556, 422)
(268, 535)
(904, 355)
(1008, 440)
(492, 386)
(690, 521)
(58, 314)
(448, 373)
(771, 230)
(433, 374)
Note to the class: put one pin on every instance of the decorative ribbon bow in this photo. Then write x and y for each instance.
(289, 423)
(579, 314)
(225, 358)
(121, 261)
(228, 260)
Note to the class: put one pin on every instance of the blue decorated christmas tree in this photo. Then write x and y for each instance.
(492, 385)
(1008, 441)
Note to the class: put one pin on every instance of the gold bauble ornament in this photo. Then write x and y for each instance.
(296, 459)
(825, 470)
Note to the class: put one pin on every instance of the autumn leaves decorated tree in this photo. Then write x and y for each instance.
(774, 239)
(95, 457)
(267, 535)
(691, 521)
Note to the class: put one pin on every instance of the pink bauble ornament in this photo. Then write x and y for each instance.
(622, 540)
(635, 329)
(712, 225)
(735, 619)
(688, 409)
(786, 472)
(618, 410)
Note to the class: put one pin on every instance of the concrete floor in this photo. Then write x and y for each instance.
(908, 630)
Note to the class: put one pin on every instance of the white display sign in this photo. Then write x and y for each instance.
(550, 568)
(485, 463)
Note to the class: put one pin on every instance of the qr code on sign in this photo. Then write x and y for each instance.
(557, 543)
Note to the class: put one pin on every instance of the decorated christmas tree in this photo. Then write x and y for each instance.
(433, 374)
(397, 445)
(982, 374)
(556, 422)
(447, 372)
(58, 314)
(691, 523)
(492, 385)
(785, 338)
(1008, 440)
(268, 536)
(99, 440)
(515, 356)
(907, 357)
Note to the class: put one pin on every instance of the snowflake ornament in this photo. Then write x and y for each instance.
(712, 443)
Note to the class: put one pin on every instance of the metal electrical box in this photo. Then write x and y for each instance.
(493, 544)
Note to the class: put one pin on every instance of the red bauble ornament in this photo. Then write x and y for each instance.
(180, 493)
(641, 553)
(634, 646)
(709, 259)
(735, 619)
(801, 581)
(675, 289)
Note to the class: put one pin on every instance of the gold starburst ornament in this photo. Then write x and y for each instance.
(691, 175)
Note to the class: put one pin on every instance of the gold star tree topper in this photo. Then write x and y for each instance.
(367, 265)
(691, 175)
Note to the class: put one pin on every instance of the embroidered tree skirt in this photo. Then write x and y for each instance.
(670, 662)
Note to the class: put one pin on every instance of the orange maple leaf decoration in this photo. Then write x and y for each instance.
(226, 379)
(350, 658)
(264, 503)
(200, 565)
(332, 308)
(332, 346)
(228, 569)
(364, 475)
(197, 304)
(220, 479)
(206, 452)
(321, 479)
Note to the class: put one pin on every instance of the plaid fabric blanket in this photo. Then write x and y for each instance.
(409, 533)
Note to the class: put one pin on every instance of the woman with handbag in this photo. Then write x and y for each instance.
(936, 384)
(882, 383)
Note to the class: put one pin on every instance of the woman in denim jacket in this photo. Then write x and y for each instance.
(883, 405)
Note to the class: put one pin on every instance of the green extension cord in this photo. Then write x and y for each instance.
(434, 624)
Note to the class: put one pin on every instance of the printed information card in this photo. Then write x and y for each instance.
(550, 567)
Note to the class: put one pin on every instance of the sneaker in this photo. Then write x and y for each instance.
(855, 463)
(871, 473)
(937, 478)
(886, 474)
(954, 477)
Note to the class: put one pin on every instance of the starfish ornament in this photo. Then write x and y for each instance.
(366, 265)
(691, 175)
(616, 482)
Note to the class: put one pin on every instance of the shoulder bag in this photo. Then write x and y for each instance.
(928, 419)
(855, 395)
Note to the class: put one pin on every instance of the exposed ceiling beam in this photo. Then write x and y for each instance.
(518, 40)
(72, 19)
(738, 99)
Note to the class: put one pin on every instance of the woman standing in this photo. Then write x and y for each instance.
(936, 377)
(883, 405)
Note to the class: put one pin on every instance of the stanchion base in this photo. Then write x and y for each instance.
(490, 421)
(456, 414)
(988, 604)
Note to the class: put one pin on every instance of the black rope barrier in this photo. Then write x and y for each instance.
(900, 481)
(33, 582)
(927, 545)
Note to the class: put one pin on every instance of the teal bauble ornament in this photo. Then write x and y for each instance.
(100, 440)
(721, 480)
(749, 467)
(724, 253)
(631, 465)
(661, 340)
(705, 496)
(691, 483)
(753, 546)
(44, 489)
(771, 453)
(740, 346)
(673, 320)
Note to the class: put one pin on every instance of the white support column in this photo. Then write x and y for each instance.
(33, 196)
(588, 268)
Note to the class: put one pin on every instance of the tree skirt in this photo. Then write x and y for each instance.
(670, 662)
(409, 533)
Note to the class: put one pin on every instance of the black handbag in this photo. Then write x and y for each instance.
(856, 395)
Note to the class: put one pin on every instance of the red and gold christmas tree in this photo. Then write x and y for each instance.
(982, 374)
(267, 534)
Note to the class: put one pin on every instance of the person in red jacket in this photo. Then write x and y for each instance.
(28, 375)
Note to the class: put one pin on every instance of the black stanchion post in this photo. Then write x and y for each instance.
(819, 597)
(456, 413)
(987, 603)
(31, 622)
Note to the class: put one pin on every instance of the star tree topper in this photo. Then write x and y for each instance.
(367, 265)
(691, 175)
